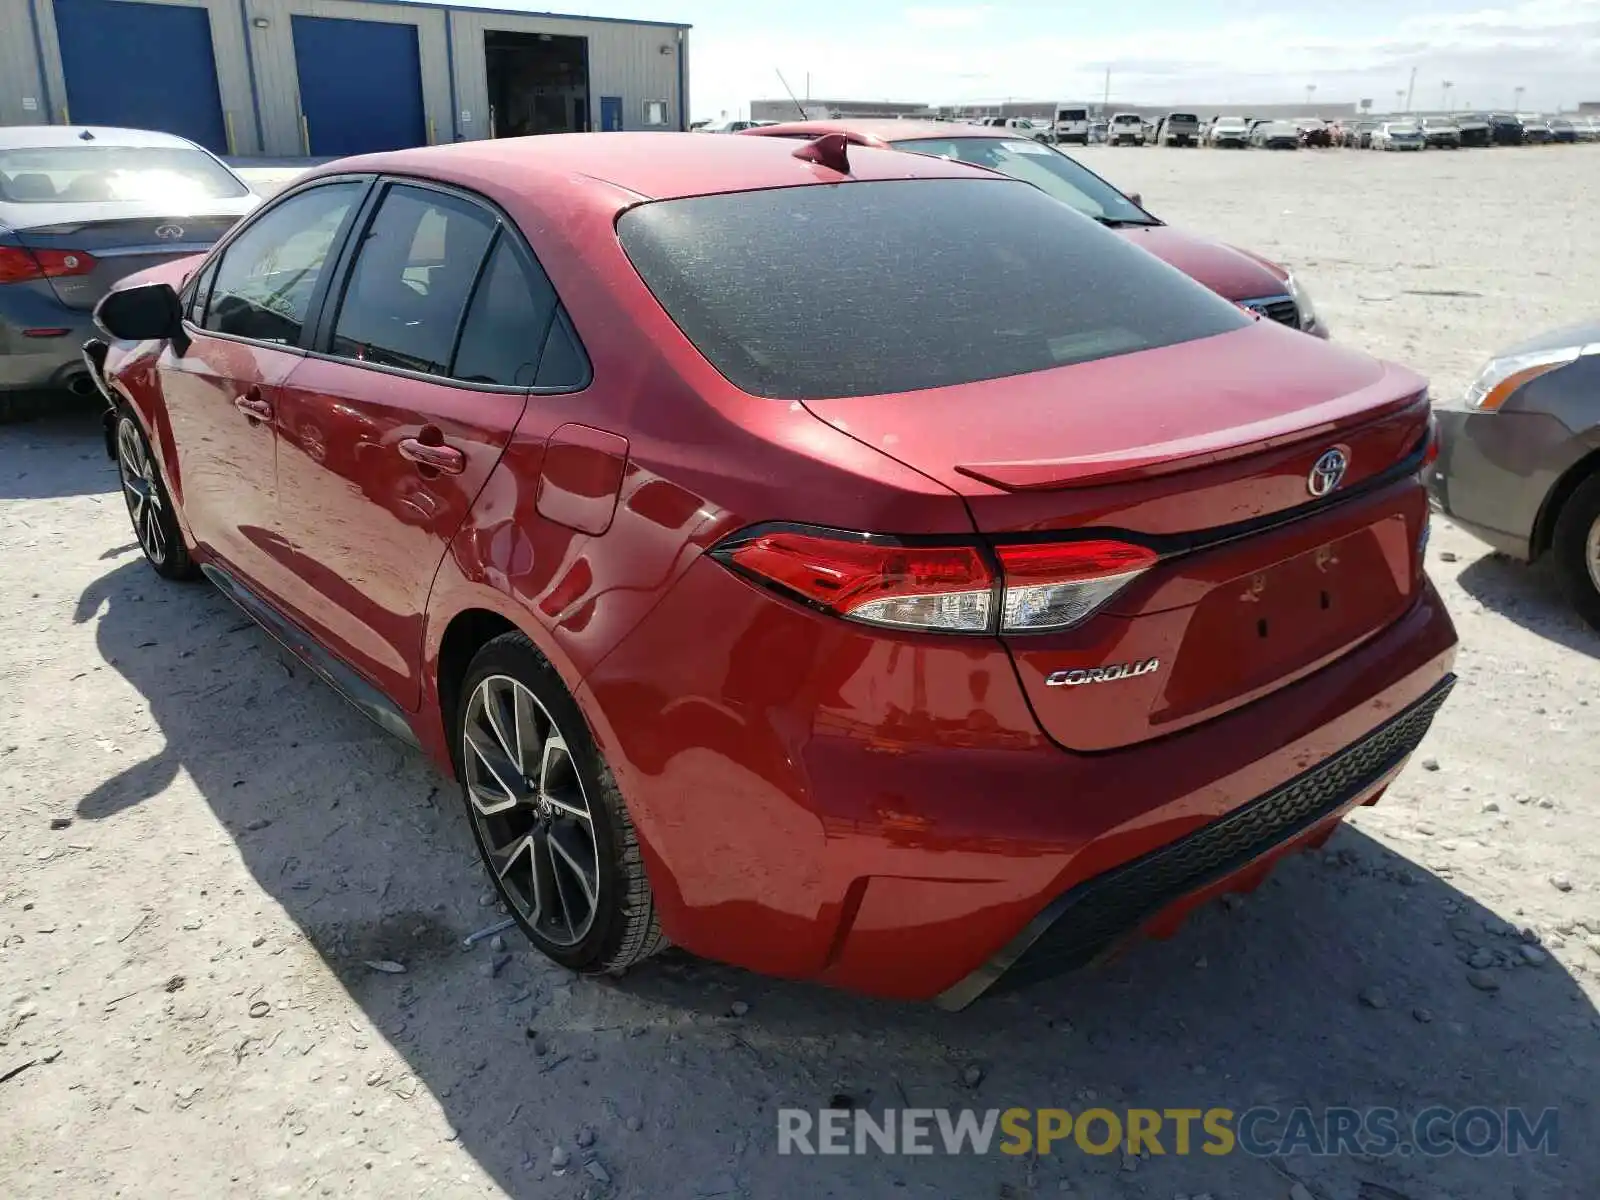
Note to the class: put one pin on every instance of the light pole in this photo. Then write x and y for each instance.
(1310, 90)
(1399, 98)
(1516, 99)
(1444, 101)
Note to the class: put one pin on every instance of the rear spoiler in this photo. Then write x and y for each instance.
(1186, 454)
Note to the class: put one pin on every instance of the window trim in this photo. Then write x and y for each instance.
(321, 341)
(344, 271)
(336, 249)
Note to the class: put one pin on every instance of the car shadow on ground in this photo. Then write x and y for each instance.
(1341, 981)
(57, 428)
(1530, 595)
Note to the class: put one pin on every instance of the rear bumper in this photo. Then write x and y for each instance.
(40, 362)
(1092, 917)
(883, 814)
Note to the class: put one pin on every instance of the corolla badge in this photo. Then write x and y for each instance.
(1083, 675)
(169, 233)
(1328, 471)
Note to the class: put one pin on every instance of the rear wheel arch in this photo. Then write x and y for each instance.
(1544, 525)
(467, 633)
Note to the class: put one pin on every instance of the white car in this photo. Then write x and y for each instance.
(1021, 126)
(1398, 135)
(1228, 131)
(729, 126)
(1071, 124)
(1126, 127)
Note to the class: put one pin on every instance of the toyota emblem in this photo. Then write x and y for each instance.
(169, 233)
(1328, 471)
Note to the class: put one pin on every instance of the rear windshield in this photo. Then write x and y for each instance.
(91, 174)
(894, 286)
(1183, 117)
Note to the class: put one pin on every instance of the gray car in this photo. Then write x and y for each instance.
(79, 209)
(1519, 458)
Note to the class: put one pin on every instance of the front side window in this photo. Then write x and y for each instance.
(408, 290)
(268, 274)
(902, 285)
(194, 310)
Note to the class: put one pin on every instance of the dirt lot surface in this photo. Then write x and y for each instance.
(202, 847)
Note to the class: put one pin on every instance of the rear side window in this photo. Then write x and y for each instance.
(564, 364)
(507, 322)
(407, 292)
(895, 286)
(264, 283)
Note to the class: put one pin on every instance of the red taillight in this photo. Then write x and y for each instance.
(877, 580)
(948, 586)
(1430, 452)
(19, 264)
(1052, 585)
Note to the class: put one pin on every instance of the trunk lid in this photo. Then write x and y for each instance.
(122, 239)
(1228, 272)
(1203, 452)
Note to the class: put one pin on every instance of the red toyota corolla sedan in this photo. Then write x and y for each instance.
(842, 563)
(1238, 275)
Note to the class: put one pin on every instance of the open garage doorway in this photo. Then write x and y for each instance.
(538, 83)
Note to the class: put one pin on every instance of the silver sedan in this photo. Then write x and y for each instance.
(79, 209)
(1519, 458)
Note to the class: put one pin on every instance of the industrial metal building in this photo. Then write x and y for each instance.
(335, 77)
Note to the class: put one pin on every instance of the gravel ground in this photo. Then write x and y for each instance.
(202, 848)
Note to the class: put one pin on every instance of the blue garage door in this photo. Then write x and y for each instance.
(360, 85)
(141, 66)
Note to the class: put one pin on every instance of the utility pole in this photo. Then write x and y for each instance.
(1310, 90)
(1516, 100)
(1411, 88)
(1105, 103)
(1444, 101)
(1399, 97)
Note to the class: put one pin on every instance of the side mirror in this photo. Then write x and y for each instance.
(1135, 198)
(149, 312)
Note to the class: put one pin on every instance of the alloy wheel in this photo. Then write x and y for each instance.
(140, 491)
(532, 814)
(1591, 553)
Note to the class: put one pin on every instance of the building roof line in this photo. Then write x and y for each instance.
(496, 11)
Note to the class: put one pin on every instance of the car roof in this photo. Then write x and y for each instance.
(14, 137)
(650, 166)
(884, 129)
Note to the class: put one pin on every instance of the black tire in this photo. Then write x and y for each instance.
(622, 926)
(1576, 540)
(149, 504)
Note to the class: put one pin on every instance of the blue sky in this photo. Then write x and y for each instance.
(1159, 51)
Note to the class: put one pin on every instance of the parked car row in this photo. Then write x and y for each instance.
(1463, 130)
(1381, 133)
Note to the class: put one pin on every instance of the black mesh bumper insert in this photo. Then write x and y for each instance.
(1094, 914)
